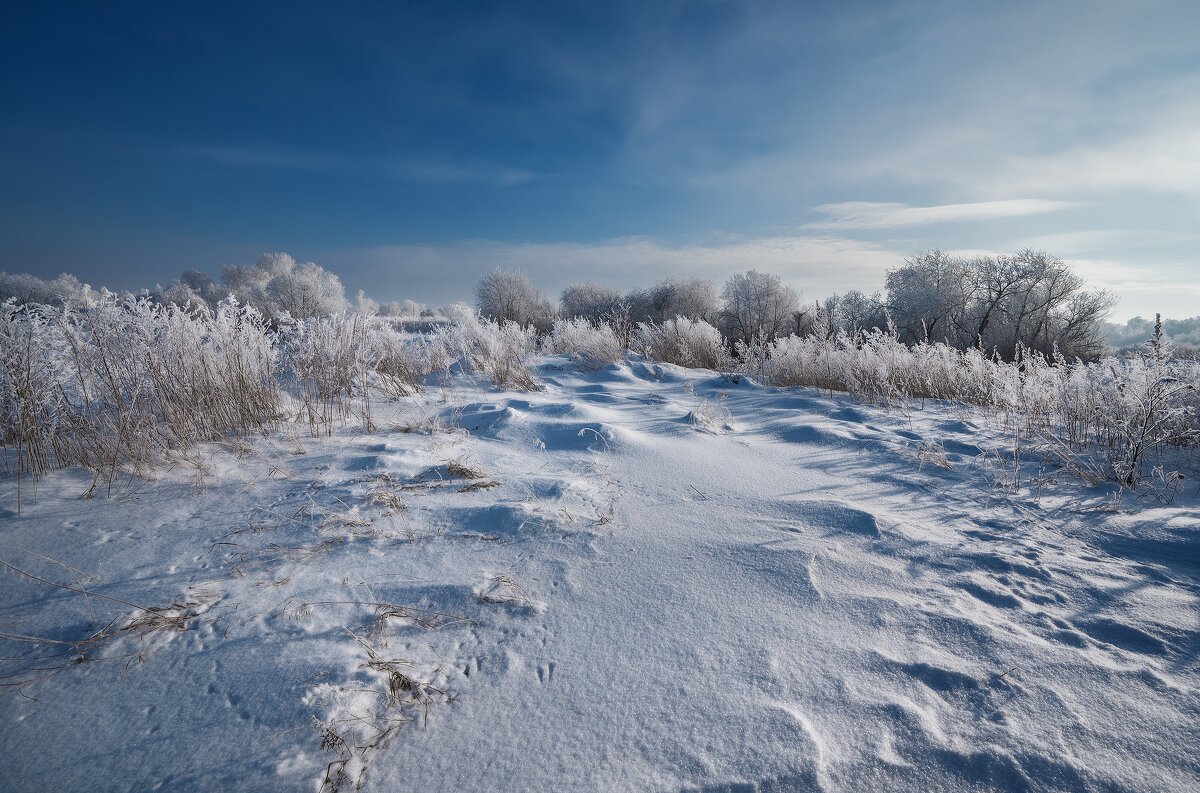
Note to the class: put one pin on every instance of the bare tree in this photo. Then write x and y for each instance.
(691, 298)
(26, 288)
(855, 312)
(1078, 330)
(590, 301)
(756, 306)
(926, 296)
(509, 296)
(306, 290)
(1027, 301)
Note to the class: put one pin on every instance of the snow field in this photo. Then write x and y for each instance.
(640, 577)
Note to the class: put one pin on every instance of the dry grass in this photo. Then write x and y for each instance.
(175, 617)
(54, 656)
(932, 453)
(116, 388)
(275, 553)
(122, 386)
(504, 589)
(458, 470)
(484, 485)
(388, 499)
(357, 736)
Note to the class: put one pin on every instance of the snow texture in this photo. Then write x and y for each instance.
(640, 577)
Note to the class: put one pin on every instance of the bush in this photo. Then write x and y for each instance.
(681, 341)
(509, 296)
(120, 383)
(591, 344)
(502, 351)
(590, 301)
(1130, 407)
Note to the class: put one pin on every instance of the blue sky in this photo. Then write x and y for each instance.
(411, 146)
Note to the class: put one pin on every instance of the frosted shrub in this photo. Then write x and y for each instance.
(31, 379)
(328, 362)
(591, 344)
(1131, 407)
(333, 363)
(873, 365)
(503, 352)
(681, 341)
(120, 383)
(1157, 409)
(405, 360)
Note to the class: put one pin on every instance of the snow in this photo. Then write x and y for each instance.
(638, 578)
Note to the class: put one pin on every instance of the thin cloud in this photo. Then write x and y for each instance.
(1071, 243)
(877, 215)
(1163, 159)
(421, 171)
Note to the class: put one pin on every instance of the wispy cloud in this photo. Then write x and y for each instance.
(1071, 243)
(1110, 132)
(877, 215)
(1162, 159)
(408, 170)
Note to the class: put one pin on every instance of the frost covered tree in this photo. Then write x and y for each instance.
(25, 288)
(1027, 301)
(366, 306)
(756, 306)
(928, 297)
(306, 290)
(590, 301)
(509, 296)
(854, 312)
(276, 284)
(691, 298)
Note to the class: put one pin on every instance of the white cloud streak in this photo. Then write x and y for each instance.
(876, 215)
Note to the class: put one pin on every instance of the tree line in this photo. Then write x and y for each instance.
(1001, 304)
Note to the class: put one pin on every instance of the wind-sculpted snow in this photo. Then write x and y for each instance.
(639, 577)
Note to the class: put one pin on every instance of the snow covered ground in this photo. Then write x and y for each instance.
(638, 578)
